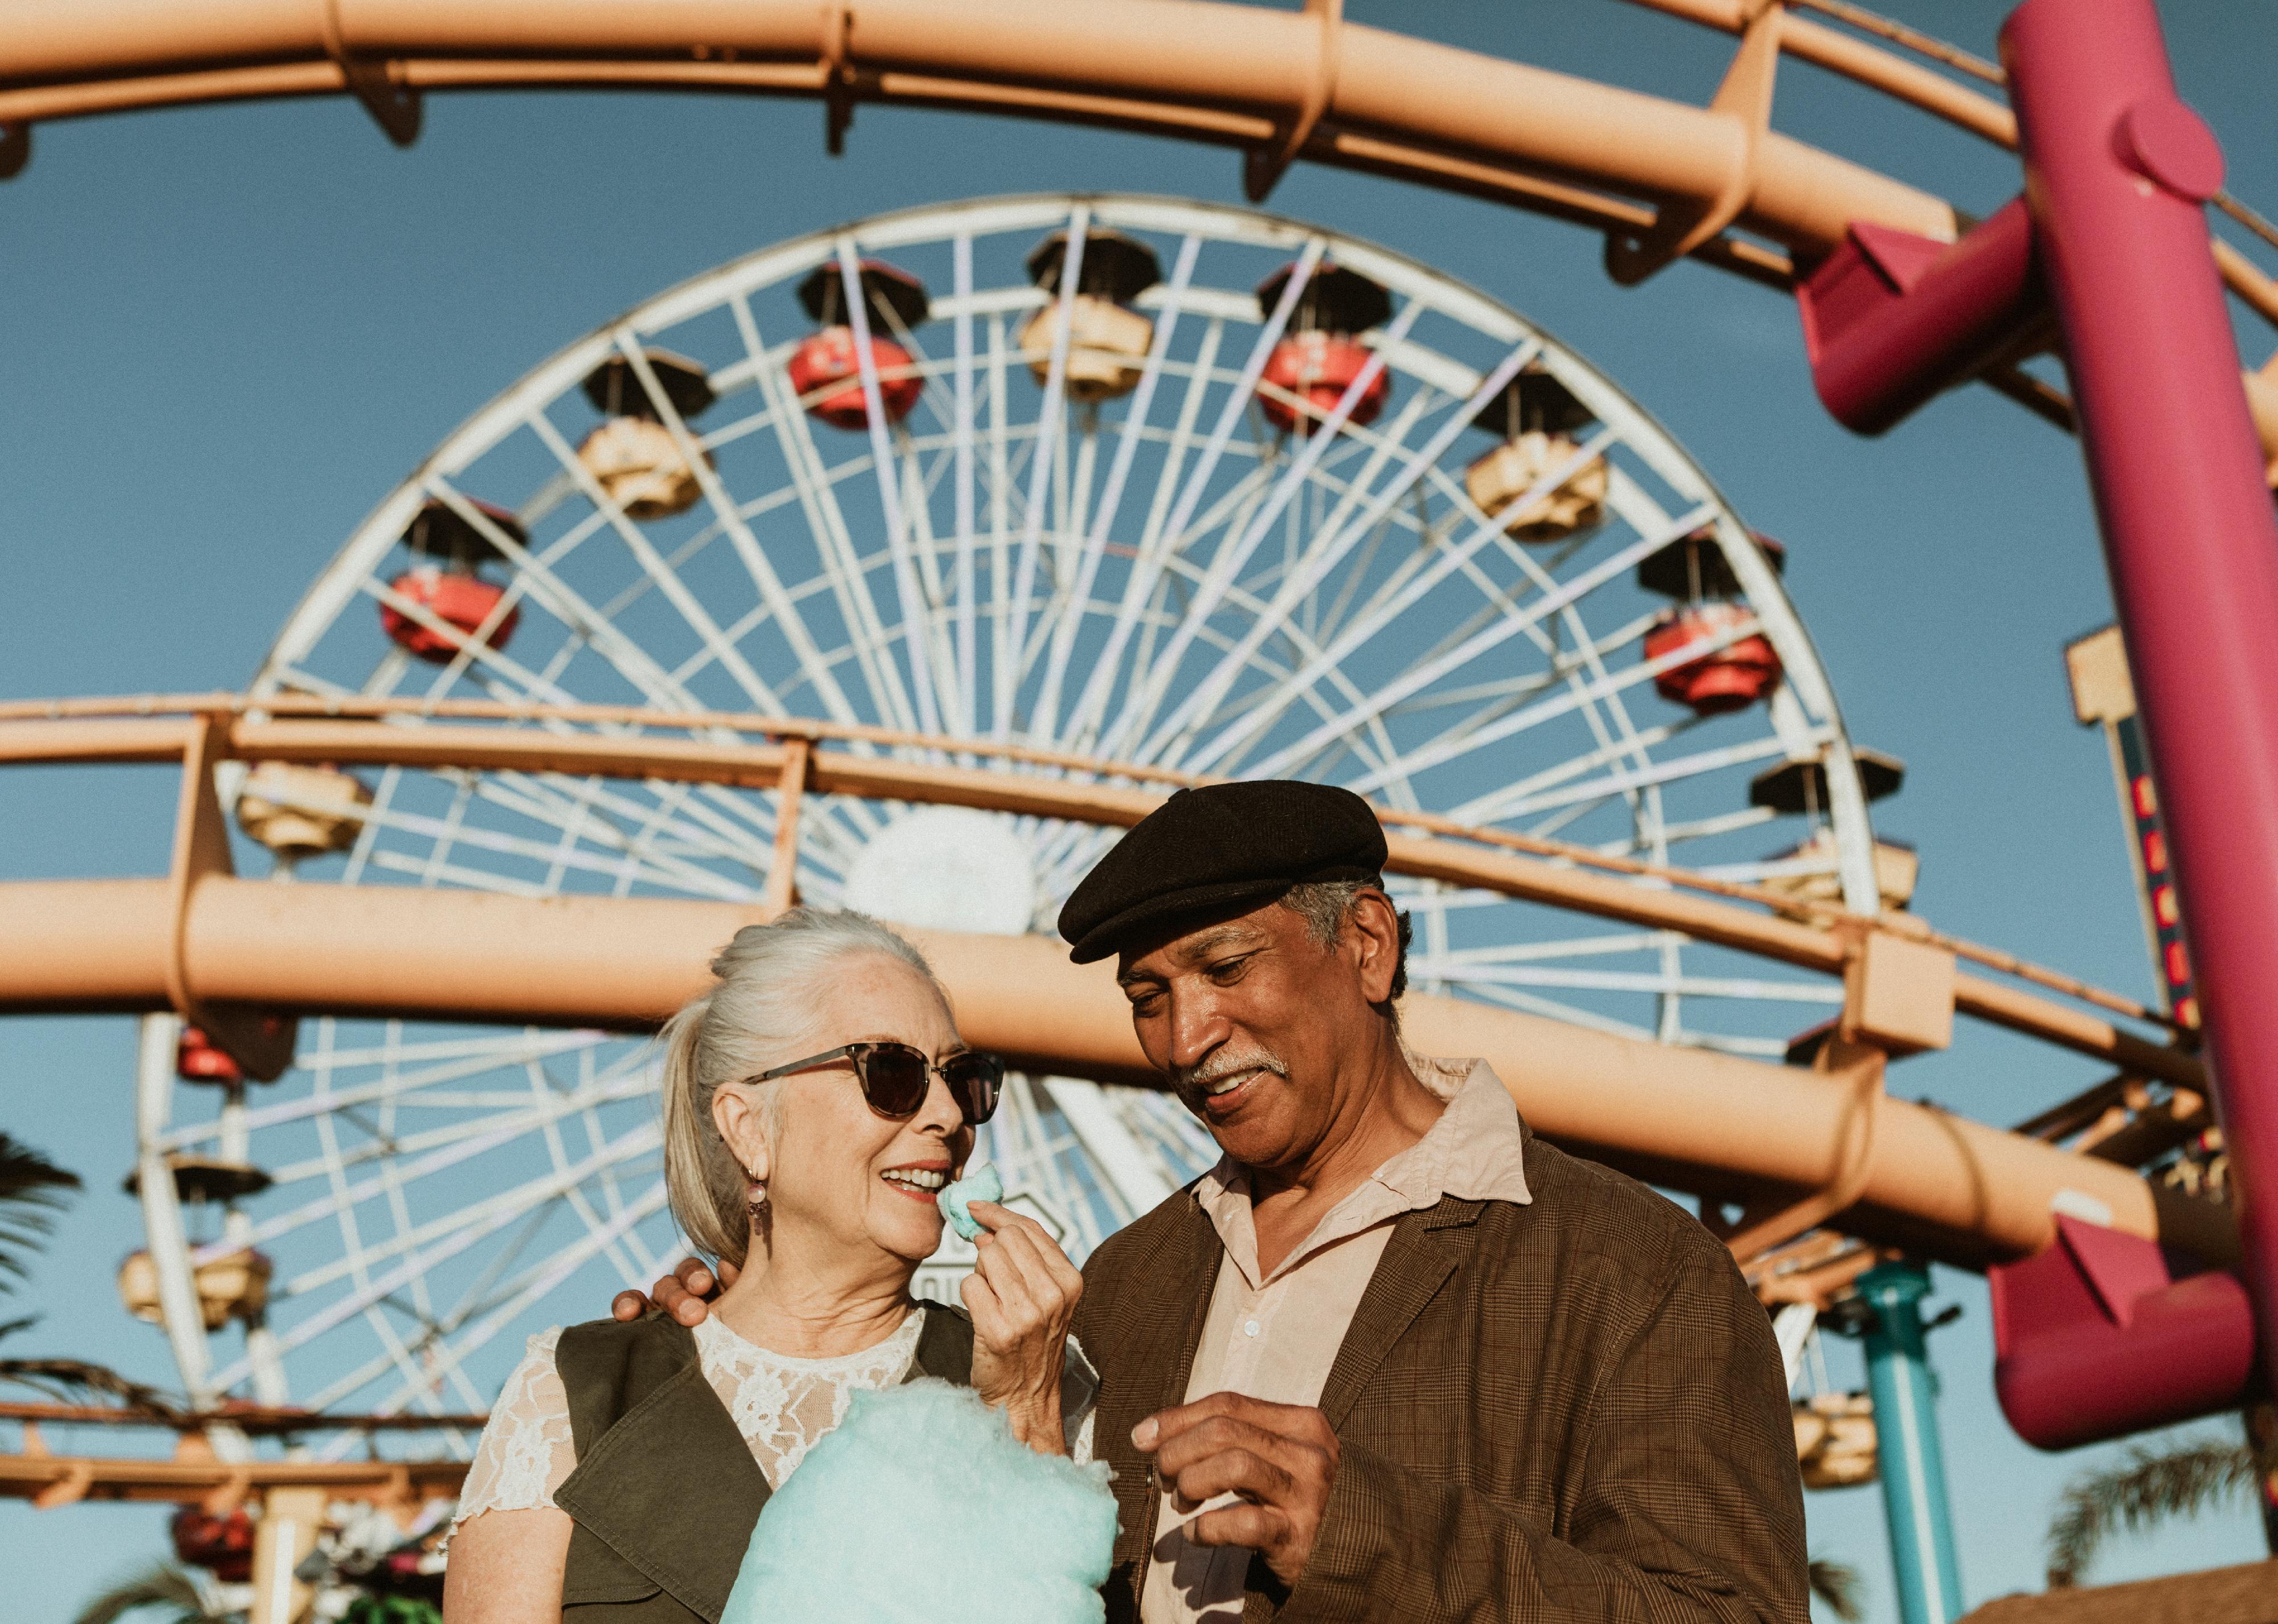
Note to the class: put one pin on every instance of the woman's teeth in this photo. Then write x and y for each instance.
(917, 1178)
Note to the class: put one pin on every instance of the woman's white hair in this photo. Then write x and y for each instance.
(759, 1011)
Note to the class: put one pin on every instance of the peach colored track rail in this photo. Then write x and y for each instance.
(146, 729)
(1280, 85)
(1728, 1128)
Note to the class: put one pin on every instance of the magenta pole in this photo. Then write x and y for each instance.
(2116, 171)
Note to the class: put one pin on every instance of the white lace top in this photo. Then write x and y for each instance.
(783, 1405)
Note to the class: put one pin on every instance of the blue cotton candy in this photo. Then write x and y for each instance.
(922, 1508)
(984, 1184)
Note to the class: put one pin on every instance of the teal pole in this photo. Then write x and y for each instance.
(1910, 1462)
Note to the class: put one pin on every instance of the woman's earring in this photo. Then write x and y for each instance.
(756, 1194)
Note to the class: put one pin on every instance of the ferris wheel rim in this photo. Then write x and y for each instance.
(1333, 486)
(1639, 430)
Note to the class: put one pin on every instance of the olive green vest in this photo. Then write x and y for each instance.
(666, 1493)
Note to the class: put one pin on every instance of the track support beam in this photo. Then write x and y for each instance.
(1911, 1457)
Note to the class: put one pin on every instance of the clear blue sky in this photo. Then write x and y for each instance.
(228, 332)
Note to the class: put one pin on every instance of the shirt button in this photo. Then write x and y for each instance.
(1250, 1329)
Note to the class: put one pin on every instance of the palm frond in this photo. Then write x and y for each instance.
(1839, 1585)
(31, 1188)
(2148, 1487)
(72, 1381)
(160, 1585)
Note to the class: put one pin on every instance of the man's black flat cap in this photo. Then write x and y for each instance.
(1219, 850)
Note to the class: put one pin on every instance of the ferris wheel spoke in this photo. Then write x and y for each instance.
(1155, 558)
(1326, 622)
(1658, 982)
(1481, 725)
(448, 832)
(1422, 675)
(1421, 578)
(1140, 582)
(679, 816)
(1492, 698)
(967, 684)
(1238, 399)
(625, 1253)
(402, 1356)
(535, 579)
(1490, 809)
(419, 1385)
(398, 1215)
(503, 1304)
(1448, 653)
(472, 654)
(436, 1329)
(1477, 733)
(1333, 548)
(1128, 441)
(612, 645)
(1705, 829)
(1048, 421)
(417, 1156)
(472, 1224)
(791, 427)
(817, 502)
(1232, 554)
(1729, 1043)
(913, 619)
(451, 1063)
(682, 814)
(1604, 708)
(1456, 962)
(1589, 794)
(1609, 717)
(918, 488)
(1373, 744)
(572, 805)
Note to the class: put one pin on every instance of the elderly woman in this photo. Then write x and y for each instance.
(815, 1098)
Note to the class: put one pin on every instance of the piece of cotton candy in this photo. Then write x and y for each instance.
(984, 1184)
(922, 1508)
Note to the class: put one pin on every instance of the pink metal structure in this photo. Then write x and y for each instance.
(2104, 1333)
(2117, 169)
(2111, 233)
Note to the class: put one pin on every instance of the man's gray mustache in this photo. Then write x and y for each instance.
(1225, 1066)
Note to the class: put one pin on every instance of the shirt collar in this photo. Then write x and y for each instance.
(1476, 1151)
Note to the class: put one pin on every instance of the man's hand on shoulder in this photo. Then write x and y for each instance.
(1278, 1459)
(685, 1294)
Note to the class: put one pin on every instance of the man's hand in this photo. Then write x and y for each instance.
(685, 1294)
(1279, 1458)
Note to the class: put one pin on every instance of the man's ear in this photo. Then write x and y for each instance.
(739, 1121)
(1375, 926)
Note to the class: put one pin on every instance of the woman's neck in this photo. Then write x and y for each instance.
(795, 1307)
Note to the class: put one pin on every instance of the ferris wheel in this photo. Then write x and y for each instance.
(1171, 487)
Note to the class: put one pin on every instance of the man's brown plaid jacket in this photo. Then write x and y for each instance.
(1569, 1410)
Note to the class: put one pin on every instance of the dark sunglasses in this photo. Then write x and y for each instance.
(893, 1078)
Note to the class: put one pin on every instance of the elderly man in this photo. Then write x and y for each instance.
(1393, 1358)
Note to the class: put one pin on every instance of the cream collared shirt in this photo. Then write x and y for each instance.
(1275, 1338)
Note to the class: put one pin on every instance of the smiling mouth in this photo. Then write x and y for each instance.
(1225, 1092)
(920, 1183)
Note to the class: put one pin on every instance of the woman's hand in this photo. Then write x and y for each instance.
(1022, 1295)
